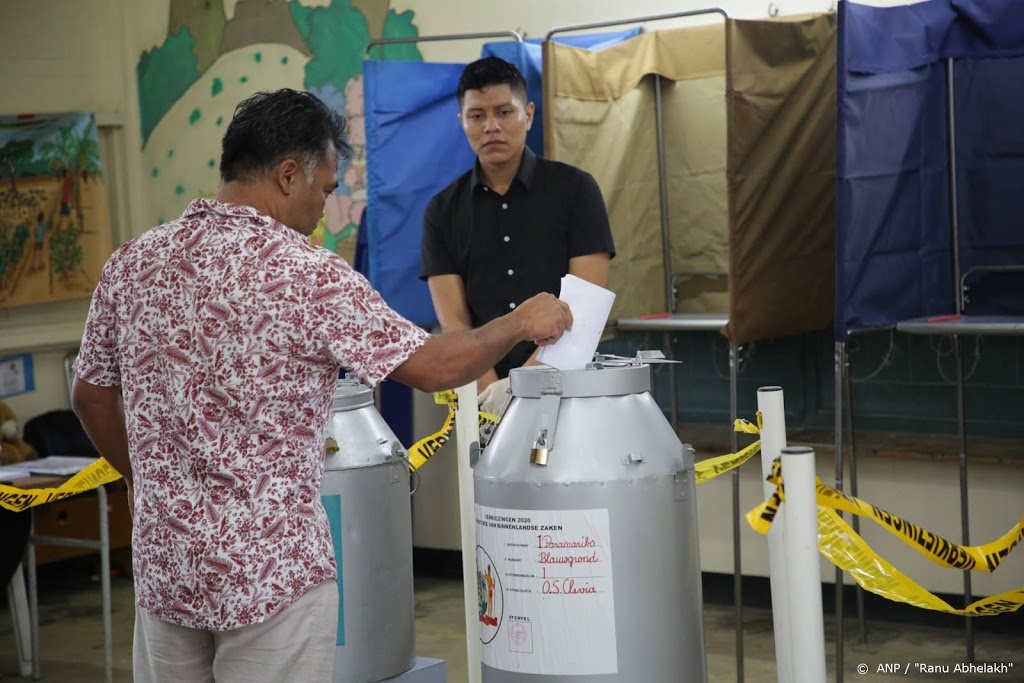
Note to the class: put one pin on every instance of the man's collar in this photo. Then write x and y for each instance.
(250, 214)
(526, 168)
(524, 174)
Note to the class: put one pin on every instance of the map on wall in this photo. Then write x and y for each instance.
(216, 54)
(54, 224)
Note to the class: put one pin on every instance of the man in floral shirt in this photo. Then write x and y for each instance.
(205, 376)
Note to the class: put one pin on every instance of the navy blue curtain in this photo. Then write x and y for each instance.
(894, 232)
(989, 103)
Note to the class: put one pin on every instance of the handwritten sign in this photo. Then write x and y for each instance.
(544, 584)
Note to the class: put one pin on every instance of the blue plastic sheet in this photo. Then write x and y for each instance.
(415, 146)
(894, 229)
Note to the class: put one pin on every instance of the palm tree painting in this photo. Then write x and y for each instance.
(54, 224)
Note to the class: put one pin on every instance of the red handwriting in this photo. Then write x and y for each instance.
(547, 541)
(566, 587)
(571, 560)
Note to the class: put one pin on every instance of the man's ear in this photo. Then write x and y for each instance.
(529, 114)
(288, 175)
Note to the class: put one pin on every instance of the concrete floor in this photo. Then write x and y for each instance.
(72, 641)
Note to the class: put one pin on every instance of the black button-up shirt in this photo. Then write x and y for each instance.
(510, 247)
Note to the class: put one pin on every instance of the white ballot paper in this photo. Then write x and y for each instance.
(590, 307)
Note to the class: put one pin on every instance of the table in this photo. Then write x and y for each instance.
(102, 544)
(967, 325)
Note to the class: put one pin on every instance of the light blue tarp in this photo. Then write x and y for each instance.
(414, 147)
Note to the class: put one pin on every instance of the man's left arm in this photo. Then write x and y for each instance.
(593, 268)
(102, 415)
(97, 400)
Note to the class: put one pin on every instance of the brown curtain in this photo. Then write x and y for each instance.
(781, 176)
(600, 116)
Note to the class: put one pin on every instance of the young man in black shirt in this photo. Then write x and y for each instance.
(510, 227)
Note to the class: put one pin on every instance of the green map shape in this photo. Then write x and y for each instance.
(165, 73)
(335, 34)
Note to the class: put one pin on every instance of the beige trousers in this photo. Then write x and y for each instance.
(296, 644)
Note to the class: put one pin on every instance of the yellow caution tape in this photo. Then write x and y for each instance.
(424, 449)
(838, 542)
(96, 474)
(984, 558)
(706, 470)
(848, 551)
(102, 472)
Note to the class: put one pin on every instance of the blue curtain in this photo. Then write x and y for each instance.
(414, 148)
(989, 106)
(894, 232)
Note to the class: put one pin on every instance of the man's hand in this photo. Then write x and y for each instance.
(544, 318)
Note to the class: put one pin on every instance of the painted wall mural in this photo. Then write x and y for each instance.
(218, 53)
(54, 224)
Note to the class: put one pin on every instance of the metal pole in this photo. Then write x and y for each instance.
(736, 558)
(666, 238)
(378, 42)
(733, 382)
(666, 245)
(636, 20)
(964, 521)
(840, 370)
(848, 390)
(959, 299)
(108, 630)
(33, 599)
(673, 399)
(958, 294)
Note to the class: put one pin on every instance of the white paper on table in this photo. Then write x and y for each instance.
(9, 473)
(590, 305)
(58, 465)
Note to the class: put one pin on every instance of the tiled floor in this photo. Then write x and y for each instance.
(72, 641)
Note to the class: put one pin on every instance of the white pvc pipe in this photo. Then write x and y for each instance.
(772, 406)
(803, 575)
(467, 432)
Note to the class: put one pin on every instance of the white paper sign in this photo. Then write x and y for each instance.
(544, 587)
(590, 307)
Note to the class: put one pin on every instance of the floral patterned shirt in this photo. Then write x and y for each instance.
(225, 331)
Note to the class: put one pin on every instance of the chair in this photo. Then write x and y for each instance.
(14, 531)
(59, 432)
